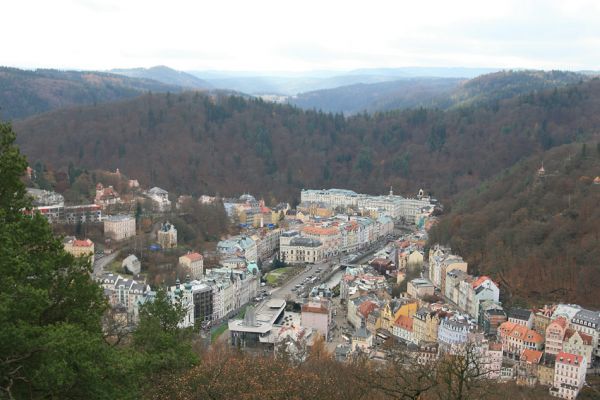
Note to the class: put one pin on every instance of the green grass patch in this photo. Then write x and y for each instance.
(275, 276)
(214, 335)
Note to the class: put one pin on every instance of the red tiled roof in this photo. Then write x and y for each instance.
(194, 256)
(82, 243)
(321, 231)
(480, 280)
(531, 356)
(560, 321)
(404, 322)
(367, 308)
(520, 332)
(568, 358)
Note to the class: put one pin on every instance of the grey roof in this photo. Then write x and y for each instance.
(519, 313)
(592, 317)
(304, 241)
(362, 333)
(157, 190)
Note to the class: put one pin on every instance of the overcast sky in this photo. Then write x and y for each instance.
(299, 35)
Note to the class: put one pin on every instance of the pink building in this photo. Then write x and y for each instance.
(555, 335)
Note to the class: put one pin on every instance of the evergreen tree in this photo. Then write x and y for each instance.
(51, 342)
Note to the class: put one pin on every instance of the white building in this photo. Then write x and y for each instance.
(569, 375)
(160, 198)
(132, 264)
(454, 332)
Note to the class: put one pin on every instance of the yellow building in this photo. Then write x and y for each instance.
(394, 309)
(79, 248)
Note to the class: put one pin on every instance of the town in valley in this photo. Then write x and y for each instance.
(353, 270)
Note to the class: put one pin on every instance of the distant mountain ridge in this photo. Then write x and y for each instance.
(291, 84)
(384, 96)
(443, 93)
(166, 75)
(24, 93)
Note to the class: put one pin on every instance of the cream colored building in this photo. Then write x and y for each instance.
(195, 262)
(415, 260)
(119, 227)
(79, 248)
(167, 236)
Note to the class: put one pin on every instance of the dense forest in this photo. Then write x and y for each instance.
(192, 143)
(381, 96)
(24, 93)
(443, 93)
(537, 232)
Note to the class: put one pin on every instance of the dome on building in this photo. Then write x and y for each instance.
(247, 198)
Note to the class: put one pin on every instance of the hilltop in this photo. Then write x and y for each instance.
(166, 75)
(24, 93)
(443, 93)
(382, 96)
(536, 231)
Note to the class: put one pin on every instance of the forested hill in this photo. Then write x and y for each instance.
(537, 233)
(443, 93)
(381, 96)
(191, 143)
(490, 88)
(161, 73)
(25, 93)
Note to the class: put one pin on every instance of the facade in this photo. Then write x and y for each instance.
(160, 199)
(87, 213)
(569, 375)
(492, 318)
(240, 246)
(127, 293)
(301, 250)
(521, 316)
(106, 196)
(588, 322)
(453, 332)
(329, 236)
(195, 263)
(387, 205)
(119, 227)
(403, 329)
(517, 337)
(578, 343)
(317, 314)
(441, 261)
(79, 248)
(132, 264)
(555, 334)
(362, 340)
(167, 236)
(419, 288)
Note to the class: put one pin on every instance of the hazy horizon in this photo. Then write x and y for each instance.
(275, 37)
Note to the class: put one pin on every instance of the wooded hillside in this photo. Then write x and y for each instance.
(192, 143)
(24, 93)
(537, 233)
